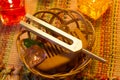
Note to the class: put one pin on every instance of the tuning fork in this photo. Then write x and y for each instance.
(76, 45)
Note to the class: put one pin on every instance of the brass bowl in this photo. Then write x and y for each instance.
(59, 62)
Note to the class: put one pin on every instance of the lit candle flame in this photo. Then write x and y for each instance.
(10, 1)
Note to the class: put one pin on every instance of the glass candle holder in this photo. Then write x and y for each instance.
(93, 8)
(12, 11)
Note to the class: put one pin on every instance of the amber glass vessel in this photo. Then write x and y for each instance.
(93, 8)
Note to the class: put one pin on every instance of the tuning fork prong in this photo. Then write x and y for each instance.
(76, 45)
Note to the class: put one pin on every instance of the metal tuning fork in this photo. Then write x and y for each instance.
(76, 45)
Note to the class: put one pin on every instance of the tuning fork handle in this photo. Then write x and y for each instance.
(93, 55)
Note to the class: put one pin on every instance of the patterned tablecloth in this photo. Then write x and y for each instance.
(107, 43)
